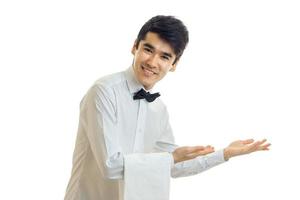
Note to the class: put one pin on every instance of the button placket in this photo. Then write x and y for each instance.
(139, 133)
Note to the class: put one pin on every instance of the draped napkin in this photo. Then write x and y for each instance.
(147, 176)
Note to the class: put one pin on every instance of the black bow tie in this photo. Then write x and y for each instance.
(142, 94)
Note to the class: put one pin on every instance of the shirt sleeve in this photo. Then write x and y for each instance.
(100, 121)
(194, 166)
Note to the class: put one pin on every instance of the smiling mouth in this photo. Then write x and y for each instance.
(147, 71)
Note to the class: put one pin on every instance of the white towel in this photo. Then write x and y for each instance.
(147, 176)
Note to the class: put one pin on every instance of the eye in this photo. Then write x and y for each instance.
(147, 50)
(165, 57)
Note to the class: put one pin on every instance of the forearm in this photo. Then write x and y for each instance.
(197, 165)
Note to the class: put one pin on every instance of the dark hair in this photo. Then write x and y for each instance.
(170, 29)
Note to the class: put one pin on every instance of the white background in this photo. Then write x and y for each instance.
(239, 77)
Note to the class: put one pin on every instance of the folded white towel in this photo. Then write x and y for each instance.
(147, 176)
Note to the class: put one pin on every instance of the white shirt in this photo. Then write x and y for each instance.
(112, 125)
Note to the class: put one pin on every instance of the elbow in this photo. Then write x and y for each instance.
(112, 172)
(175, 173)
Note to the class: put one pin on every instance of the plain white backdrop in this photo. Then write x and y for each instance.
(238, 79)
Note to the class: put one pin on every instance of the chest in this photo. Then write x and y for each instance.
(139, 125)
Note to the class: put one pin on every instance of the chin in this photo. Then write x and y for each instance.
(146, 84)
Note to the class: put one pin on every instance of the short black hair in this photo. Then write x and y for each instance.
(170, 29)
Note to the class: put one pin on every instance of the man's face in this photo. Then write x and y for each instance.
(153, 59)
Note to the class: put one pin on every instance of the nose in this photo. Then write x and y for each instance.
(152, 61)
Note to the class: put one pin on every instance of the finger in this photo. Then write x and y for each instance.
(252, 147)
(259, 145)
(248, 141)
(200, 153)
(194, 149)
(263, 141)
(265, 147)
(209, 147)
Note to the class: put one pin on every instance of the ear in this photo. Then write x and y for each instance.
(133, 49)
(173, 68)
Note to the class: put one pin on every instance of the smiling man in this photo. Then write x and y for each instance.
(125, 146)
(153, 59)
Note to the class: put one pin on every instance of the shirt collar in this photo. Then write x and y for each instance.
(133, 84)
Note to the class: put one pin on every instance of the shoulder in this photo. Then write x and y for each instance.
(111, 80)
(107, 83)
(103, 88)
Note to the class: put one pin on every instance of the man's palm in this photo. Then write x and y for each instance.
(241, 147)
(187, 152)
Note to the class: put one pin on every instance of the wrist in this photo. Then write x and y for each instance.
(227, 154)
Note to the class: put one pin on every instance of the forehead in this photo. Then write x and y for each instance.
(158, 44)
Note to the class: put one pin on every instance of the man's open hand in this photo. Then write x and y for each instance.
(187, 152)
(241, 147)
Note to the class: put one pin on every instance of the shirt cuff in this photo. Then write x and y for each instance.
(211, 160)
(215, 158)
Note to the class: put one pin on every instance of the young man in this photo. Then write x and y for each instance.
(120, 117)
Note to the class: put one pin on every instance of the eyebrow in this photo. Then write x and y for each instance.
(152, 47)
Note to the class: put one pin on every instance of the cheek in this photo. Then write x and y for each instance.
(140, 56)
(163, 73)
(166, 68)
